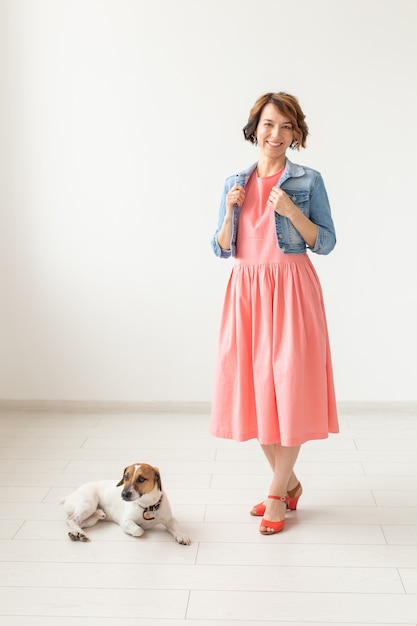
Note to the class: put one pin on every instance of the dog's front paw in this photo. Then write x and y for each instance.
(182, 539)
(132, 529)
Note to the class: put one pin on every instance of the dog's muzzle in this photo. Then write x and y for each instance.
(127, 494)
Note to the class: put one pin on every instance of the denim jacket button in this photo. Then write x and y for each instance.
(280, 236)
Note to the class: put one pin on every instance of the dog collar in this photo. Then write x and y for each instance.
(148, 509)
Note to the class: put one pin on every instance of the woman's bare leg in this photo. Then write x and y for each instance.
(270, 452)
(282, 460)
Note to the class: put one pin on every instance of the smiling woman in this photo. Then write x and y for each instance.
(273, 378)
(275, 132)
(288, 107)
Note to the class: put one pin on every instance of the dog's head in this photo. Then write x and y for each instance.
(143, 481)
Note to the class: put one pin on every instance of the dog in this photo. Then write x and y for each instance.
(140, 505)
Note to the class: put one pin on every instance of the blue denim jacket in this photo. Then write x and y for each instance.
(306, 189)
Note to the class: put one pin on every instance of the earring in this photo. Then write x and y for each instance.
(293, 144)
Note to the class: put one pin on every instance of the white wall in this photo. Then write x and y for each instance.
(120, 120)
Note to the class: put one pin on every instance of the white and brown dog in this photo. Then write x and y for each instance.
(140, 505)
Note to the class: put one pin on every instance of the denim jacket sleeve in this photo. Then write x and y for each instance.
(306, 189)
(239, 179)
(320, 215)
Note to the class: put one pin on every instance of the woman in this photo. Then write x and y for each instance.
(273, 378)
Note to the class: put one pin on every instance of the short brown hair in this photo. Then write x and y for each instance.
(287, 105)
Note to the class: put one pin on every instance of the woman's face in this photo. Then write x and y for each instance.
(274, 132)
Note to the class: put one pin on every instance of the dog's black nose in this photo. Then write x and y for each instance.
(126, 495)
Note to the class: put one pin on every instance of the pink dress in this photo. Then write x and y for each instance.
(273, 377)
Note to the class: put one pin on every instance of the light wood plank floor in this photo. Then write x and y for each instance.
(347, 556)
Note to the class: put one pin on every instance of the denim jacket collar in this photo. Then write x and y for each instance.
(292, 170)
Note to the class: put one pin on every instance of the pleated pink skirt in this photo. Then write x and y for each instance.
(273, 376)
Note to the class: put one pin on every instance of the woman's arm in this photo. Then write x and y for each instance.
(235, 196)
(223, 235)
(317, 230)
(283, 205)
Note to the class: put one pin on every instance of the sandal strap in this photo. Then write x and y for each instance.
(291, 493)
(281, 498)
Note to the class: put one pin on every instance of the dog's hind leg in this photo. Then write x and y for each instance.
(94, 518)
(83, 518)
(76, 532)
(80, 506)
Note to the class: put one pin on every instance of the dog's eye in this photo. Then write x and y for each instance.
(141, 479)
(126, 477)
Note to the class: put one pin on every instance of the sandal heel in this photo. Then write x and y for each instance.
(292, 498)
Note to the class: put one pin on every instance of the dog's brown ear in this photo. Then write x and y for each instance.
(123, 478)
(158, 478)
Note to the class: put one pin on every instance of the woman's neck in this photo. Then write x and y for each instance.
(267, 167)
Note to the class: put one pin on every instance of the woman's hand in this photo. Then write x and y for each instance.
(235, 196)
(283, 205)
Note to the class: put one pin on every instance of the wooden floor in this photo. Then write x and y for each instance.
(347, 556)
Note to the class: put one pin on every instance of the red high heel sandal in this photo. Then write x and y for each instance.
(292, 500)
(275, 526)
